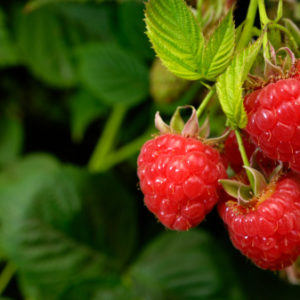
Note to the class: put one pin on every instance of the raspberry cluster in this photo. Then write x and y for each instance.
(180, 177)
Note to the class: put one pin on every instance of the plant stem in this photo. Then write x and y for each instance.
(6, 275)
(126, 151)
(264, 21)
(205, 101)
(244, 157)
(280, 27)
(247, 30)
(107, 138)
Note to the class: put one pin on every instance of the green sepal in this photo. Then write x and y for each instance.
(160, 125)
(237, 189)
(204, 130)
(219, 139)
(260, 182)
(191, 127)
(177, 123)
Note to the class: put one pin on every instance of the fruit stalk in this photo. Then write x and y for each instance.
(244, 157)
(205, 101)
(107, 138)
(247, 30)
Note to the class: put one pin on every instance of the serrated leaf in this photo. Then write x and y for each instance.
(187, 265)
(113, 74)
(176, 37)
(230, 85)
(219, 49)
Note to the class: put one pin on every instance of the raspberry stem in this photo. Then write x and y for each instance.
(244, 158)
(125, 152)
(247, 30)
(205, 101)
(107, 138)
(6, 275)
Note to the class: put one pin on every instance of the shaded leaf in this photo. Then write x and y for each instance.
(11, 139)
(8, 50)
(85, 108)
(43, 43)
(187, 265)
(62, 225)
(113, 74)
(132, 28)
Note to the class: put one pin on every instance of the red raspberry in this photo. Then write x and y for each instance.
(232, 153)
(179, 178)
(268, 231)
(274, 120)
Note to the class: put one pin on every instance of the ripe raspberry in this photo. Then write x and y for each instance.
(268, 231)
(274, 120)
(179, 178)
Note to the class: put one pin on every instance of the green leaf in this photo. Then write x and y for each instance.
(97, 289)
(219, 49)
(35, 4)
(188, 265)
(132, 29)
(113, 74)
(8, 50)
(44, 46)
(230, 85)
(84, 108)
(95, 22)
(63, 225)
(176, 37)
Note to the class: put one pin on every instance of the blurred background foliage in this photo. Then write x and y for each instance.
(79, 86)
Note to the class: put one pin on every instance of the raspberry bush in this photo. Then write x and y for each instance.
(149, 150)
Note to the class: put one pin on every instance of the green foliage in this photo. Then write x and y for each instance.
(11, 139)
(219, 49)
(230, 85)
(176, 37)
(8, 51)
(132, 28)
(44, 26)
(112, 74)
(186, 265)
(84, 108)
(74, 84)
(58, 230)
(178, 41)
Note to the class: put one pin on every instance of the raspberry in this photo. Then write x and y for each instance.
(274, 120)
(267, 231)
(179, 178)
